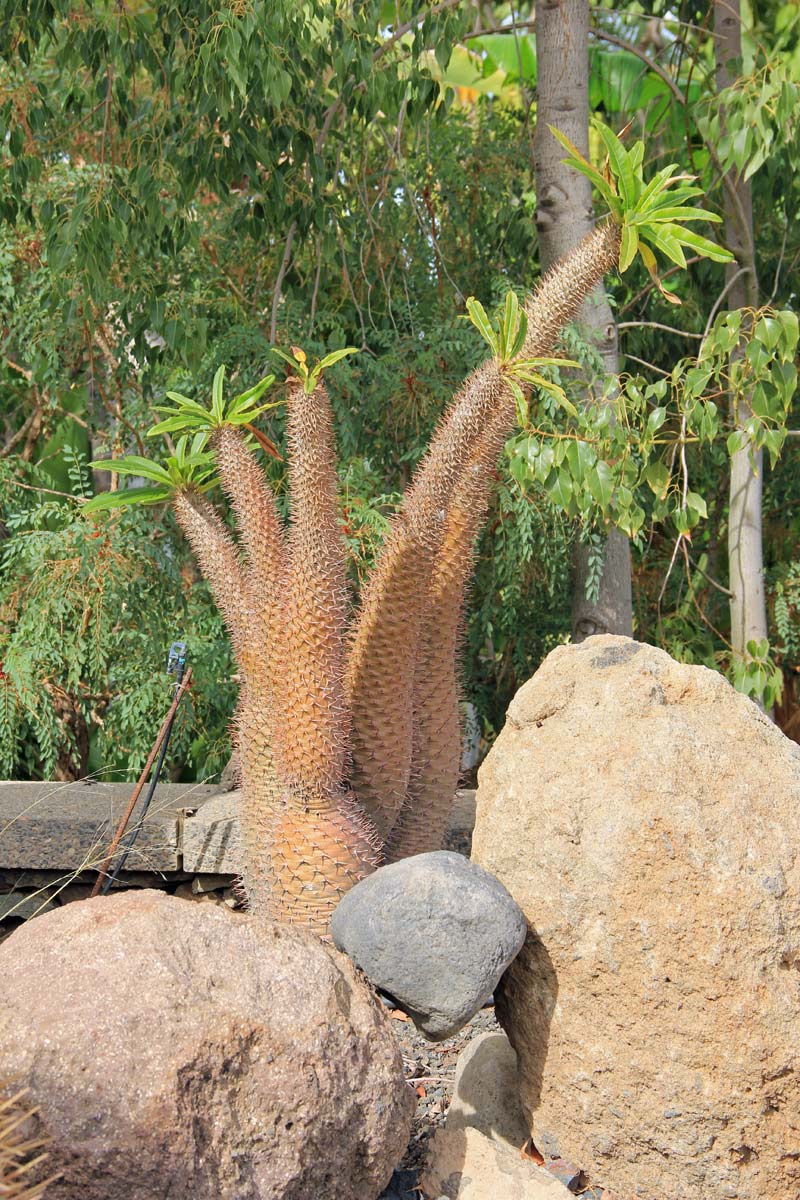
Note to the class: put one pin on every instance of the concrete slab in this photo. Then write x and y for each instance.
(211, 835)
(68, 826)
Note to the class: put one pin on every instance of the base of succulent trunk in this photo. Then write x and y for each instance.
(311, 859)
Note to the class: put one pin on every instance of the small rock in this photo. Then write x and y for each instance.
(210, 883)
(465, 1164)
(476, 1156)
(435, 932)
(185, 891)
(485, 1091)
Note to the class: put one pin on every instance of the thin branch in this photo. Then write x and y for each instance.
(652, 65)
(29, 487)
(276, 295)
(21, 433)
(718, 302)
(658, 325)
(644, 363)
(714, 582)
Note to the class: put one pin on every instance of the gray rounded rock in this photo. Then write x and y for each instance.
(435, 932)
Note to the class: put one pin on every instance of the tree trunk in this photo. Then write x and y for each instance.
(564, 214)
(748, 605)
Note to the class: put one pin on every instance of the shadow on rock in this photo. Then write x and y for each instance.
(532, 971)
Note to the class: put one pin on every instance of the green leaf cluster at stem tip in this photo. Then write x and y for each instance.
(310, 376)
(191, 466)
(187, 414)
(505, 338)
(653, 215)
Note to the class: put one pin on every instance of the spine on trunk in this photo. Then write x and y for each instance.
(558, 295)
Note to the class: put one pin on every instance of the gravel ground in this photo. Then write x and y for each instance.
(430, 1068)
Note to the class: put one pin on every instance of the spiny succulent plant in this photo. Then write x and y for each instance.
(348, 719)
(20, 1154)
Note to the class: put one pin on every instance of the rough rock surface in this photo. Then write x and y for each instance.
(186, 1051)
(645, 817)
(485, 1091)
(433, 931)
(476, 1156)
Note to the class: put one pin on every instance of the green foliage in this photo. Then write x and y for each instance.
(87, 613)
(519, 603)
(786, 607)
(190, 466)
(505, 338)
(757, 675)
(652, 215)
(189, 414)
(746, 120)
(310, 376)
(147, 224)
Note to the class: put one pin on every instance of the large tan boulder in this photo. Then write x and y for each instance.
(182, 1050)
(646, 818)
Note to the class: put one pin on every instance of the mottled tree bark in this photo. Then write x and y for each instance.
(564, 215)
(746, 565)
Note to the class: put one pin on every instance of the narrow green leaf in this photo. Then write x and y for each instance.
(125, 497)
(173, 424)
(287, 358)
(334, 357)
(183, 402)
(665, 243)
(636, 156)
(217, 395)
(255, 392)
(620, 165)
(522, 330)
(521, 401)
(477, 314)
(629, 245)
(570, 147)
(700, 244)
(601, 183)
(654, 187)
(533, 363)
(134, 464)
(682, 212)
(508, 327)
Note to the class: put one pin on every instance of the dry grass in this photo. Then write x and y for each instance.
(20, 1154)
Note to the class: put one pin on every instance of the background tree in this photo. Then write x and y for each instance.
(145, 242)
(564, 214)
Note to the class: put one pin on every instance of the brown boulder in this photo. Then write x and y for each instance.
(186, 1051)
(645, 817)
